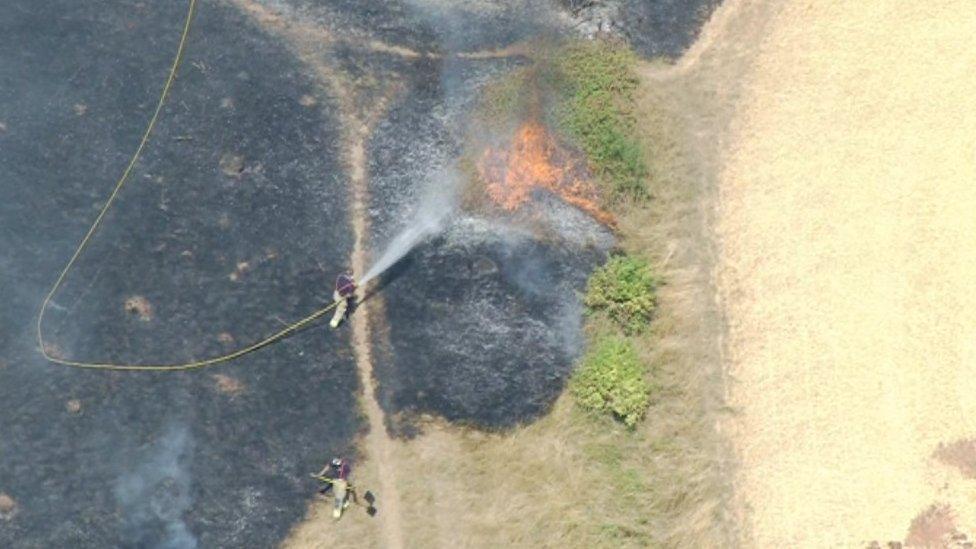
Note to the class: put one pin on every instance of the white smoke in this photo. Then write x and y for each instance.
(157, 492)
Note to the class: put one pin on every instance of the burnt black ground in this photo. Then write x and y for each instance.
(654, 28)
(480, 325)
(484, 329)
(236, 474)
(664, 27)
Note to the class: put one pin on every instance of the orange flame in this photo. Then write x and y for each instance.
(534, 160)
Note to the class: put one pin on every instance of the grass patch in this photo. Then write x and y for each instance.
(625, 290)
(598, 83)
(508, 99)
(612, 378)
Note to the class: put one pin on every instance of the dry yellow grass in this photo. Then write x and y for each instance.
(848, 226)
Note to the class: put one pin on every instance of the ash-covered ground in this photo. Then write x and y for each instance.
(235, 221)
(222, 252)
(652, 27)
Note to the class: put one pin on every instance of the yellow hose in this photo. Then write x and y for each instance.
(98, 220)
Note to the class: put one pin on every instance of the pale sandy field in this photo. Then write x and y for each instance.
(846, 219)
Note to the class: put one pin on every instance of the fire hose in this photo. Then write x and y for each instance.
(192, 365)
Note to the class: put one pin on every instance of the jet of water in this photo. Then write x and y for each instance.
(428, 217)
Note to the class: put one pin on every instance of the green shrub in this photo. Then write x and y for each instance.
(612, 379)
(599, 83)
(624, 288)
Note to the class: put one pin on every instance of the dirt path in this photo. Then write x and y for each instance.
(310, 43)
(846, 267)
(360, 101)
(378, 442)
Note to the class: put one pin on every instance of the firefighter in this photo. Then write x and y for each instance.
(337, 469)
(345, 292)
(335, 478)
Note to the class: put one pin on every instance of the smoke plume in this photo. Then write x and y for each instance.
(155, 494)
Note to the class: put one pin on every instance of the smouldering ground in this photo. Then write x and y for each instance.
(847, 200)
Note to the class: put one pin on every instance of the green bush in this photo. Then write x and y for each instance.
(599, 83)
(612, 379)
(624, 288)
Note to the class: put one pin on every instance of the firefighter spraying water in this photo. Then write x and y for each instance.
(428, 217)
(345, 292)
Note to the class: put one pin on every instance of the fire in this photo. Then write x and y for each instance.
(534, 160)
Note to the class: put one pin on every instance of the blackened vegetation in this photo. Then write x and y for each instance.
(481, 329)
(208, 252)
(664, 27)
(433, 25)
(652, 27)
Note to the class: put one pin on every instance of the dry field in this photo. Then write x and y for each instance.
(847, 226)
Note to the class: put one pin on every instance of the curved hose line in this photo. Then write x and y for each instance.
(98, 220)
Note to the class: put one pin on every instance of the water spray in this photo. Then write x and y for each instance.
(438, 201)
